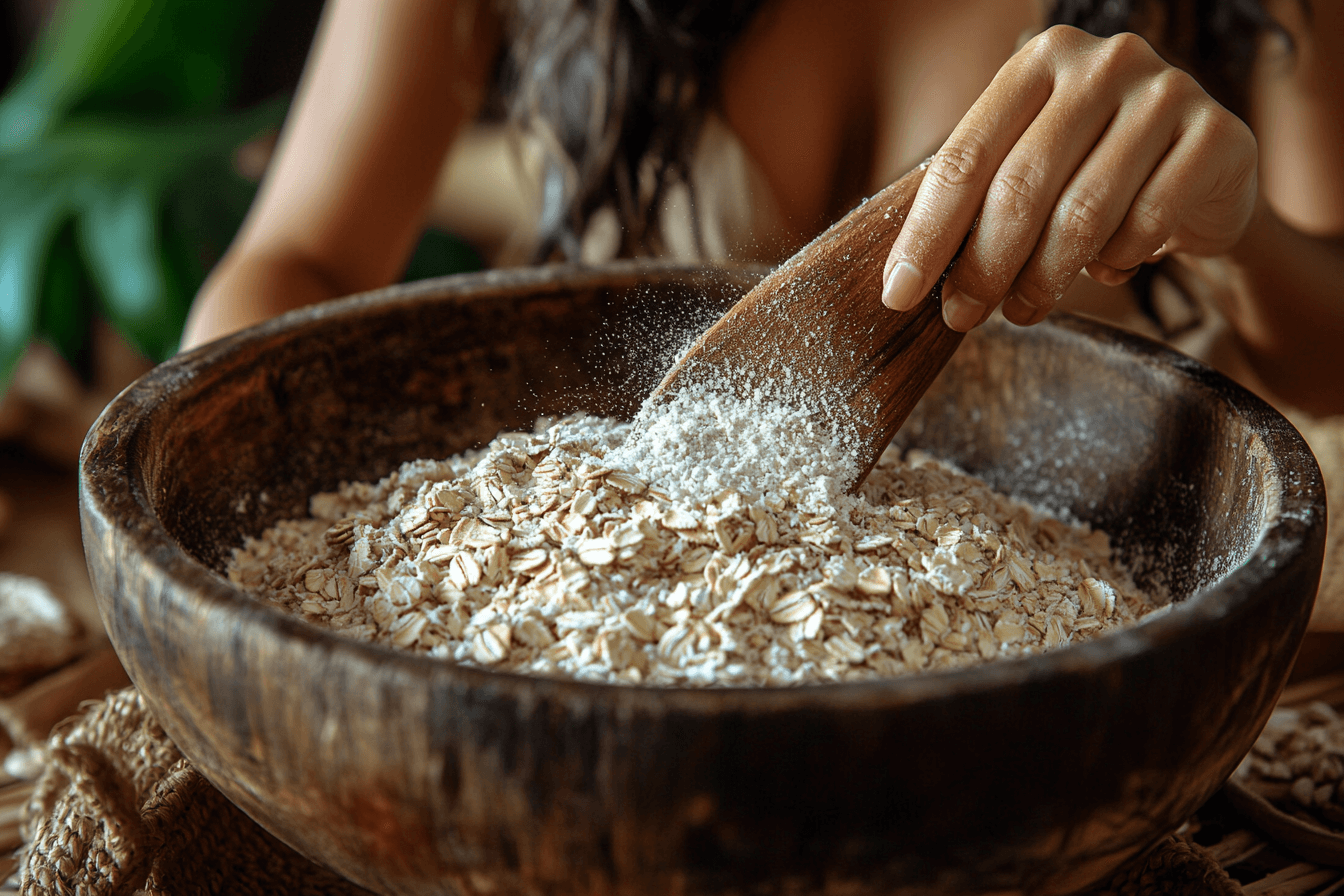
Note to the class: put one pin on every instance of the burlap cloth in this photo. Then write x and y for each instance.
(118, 810)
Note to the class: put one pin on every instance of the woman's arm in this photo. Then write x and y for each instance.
(387, 86)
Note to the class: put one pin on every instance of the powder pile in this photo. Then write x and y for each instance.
(711, 545)
(700, 441)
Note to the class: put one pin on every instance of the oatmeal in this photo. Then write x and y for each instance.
(712, 543)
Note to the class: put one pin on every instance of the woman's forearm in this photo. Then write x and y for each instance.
(385, 90)
(247, 289)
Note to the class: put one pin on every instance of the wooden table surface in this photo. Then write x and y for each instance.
(42, 538)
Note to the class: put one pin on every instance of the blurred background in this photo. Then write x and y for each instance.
(133, 134)
(129, 138)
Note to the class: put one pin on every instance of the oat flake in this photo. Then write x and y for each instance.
(711, 543)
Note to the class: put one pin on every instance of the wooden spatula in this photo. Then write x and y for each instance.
(815, 329)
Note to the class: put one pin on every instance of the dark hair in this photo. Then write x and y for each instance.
(617, 89)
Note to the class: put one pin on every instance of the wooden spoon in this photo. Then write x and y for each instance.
(815, 330)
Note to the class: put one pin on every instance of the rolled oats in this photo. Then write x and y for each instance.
(1297, 763)
(599, 551)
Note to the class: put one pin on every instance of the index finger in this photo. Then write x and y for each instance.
(958, 179)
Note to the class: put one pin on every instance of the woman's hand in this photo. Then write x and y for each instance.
(1083, 153)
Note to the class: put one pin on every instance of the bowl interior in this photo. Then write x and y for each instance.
(1205, 489)
(1163, 454)
(1072, 416)
(354, 392)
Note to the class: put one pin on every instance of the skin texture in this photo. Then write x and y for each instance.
(1285, 301)
(344, 201)
(1082, 152)
(1073, 153)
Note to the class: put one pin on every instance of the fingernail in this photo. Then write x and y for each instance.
(1021, 312)
(960, 311)
(901, 288)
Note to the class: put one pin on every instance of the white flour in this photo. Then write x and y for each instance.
(700, 442)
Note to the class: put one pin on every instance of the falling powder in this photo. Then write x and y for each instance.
(710, 543)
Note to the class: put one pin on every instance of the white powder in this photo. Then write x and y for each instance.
(700, 441)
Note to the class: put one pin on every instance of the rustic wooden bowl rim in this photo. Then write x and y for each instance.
(125, 420)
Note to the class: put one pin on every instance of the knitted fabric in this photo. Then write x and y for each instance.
(118, 810)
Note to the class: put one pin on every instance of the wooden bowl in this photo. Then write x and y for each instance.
(411, 775)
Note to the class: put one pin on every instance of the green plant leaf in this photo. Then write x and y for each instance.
(153, 208)
(111, 143)
(119, 237)
(136, 57)
(65, 307)
(82, 40)
(26, 231)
